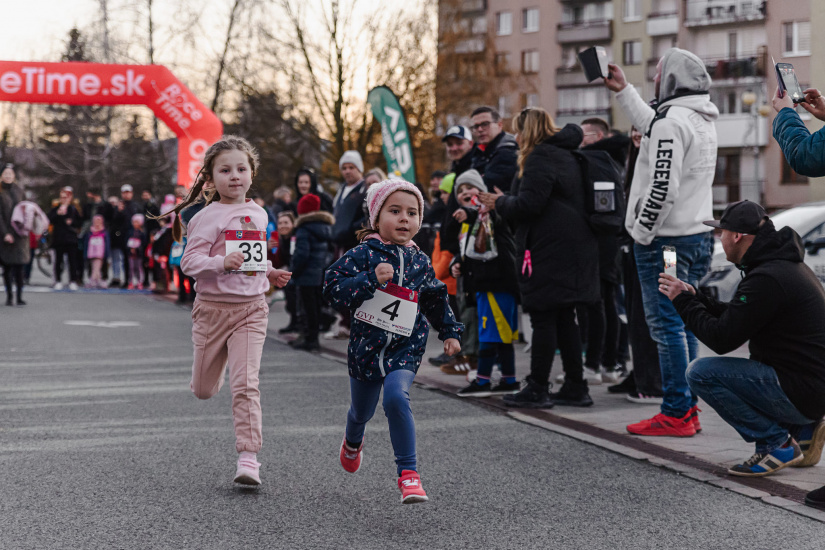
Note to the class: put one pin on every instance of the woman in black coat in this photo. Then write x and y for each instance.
(14, 248)
(557, 254)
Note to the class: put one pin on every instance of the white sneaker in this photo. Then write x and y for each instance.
(611, 376)
(57, 286)
(340, 333)
(560, 378)
(248, 469)
(593, 377)
(72, 286)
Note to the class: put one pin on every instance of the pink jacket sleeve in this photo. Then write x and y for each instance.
(196, 261)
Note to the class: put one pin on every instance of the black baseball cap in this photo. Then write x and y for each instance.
(740, 217)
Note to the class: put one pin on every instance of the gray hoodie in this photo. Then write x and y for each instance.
(671, 192)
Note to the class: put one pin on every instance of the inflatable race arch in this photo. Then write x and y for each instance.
(155, 86)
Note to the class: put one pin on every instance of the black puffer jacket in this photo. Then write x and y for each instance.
(546, 207)
(498, 162)
(313, 235)
(780, 307)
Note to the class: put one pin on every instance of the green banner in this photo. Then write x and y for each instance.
(394, 133)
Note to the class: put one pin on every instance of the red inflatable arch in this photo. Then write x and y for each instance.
(97, 84)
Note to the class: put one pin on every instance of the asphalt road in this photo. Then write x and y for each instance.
(103, 446)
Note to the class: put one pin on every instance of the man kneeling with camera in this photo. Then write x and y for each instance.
(776, 398)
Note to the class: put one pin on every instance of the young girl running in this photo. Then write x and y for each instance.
(230, 314)
(382, 281)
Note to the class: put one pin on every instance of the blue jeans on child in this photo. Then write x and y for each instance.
(677, 346)
(396, 408)
(747, 395)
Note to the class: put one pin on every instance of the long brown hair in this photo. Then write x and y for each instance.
(226, 143)
(533, 125)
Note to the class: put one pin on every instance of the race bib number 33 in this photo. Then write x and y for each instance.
(252, 244)
(393, 308)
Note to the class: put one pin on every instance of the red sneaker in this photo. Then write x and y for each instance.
(694, 412)
(664, 425)
(351, 458)
(411, 490)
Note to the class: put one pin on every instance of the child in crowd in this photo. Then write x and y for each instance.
(313, 237)
(136, 243)
(230, 314)
(494, 284)
(281, 258)
(97, 251)
(382, 281)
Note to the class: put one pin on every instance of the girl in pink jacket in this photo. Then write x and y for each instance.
(226, 255)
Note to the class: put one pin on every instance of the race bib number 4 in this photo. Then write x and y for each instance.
(393, 308)
(252, 244)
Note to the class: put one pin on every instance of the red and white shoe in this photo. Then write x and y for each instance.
(351, 458)
(663, 425)
(694, 415)
(411, 490)
(248, 472)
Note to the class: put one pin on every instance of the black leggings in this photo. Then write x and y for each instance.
(311, 304)
(553, 329)
(15, 272)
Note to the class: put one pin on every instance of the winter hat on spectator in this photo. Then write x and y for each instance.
(470, 177)
(309, 203)
(126, 188)
(378, 193)
(352, 157)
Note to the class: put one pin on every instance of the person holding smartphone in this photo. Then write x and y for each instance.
(670, 195)
(776, 397)
(805, 151)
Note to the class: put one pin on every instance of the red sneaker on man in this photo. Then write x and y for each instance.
(694, 412)
(665, 425)
(351, 458)
(411, 490)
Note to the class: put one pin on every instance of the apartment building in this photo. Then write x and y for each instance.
(537, 42)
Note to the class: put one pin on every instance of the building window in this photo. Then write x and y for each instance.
(789, 176)
(632, 10)
(504, 106)
(530, 61)
(529, 100)
(632, 52)
(479, 25)
(578, 101)
(502, 63)
(797, 38)
(504, 23)
(530, 20)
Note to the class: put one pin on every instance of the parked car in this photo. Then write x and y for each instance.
(806, 219)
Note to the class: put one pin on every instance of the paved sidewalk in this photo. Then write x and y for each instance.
(712, 451)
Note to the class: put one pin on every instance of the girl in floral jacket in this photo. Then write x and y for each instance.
(383, 281)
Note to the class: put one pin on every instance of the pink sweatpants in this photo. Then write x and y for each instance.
(230, 334)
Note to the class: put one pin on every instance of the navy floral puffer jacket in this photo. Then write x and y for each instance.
(374, 352)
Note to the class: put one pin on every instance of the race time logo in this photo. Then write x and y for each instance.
(39, 81)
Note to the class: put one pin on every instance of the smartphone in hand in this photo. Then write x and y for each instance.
(669, 257)
(788, 83)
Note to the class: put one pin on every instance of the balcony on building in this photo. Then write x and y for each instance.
(663, 24)
(737, 130)
(585, 31)
(571, 76)
(725, 68)
(471, 6)
(720, 12)
(564, 117)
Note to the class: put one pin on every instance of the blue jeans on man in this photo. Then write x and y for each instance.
(677, 346)
(747, 395)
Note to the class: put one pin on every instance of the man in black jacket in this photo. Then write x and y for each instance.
(777, 396)
(495, 153)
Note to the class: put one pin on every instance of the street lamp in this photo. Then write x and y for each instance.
(749, 99)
